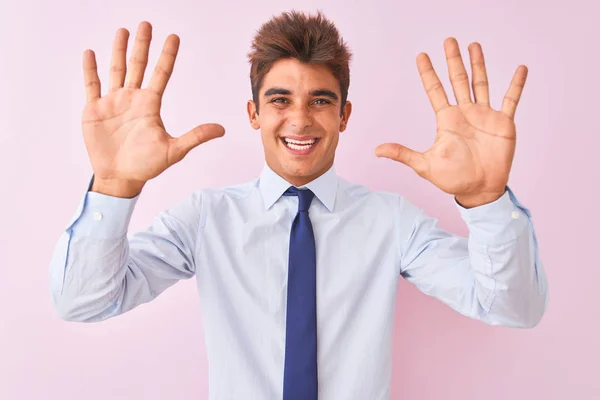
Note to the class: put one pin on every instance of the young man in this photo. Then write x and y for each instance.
(298, 270)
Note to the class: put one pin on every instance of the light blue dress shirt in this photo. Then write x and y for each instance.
(235, 242)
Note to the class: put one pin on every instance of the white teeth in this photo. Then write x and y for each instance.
(298, 147)
(298, 142)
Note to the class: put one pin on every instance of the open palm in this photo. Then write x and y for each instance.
(474, 146)
(123, 130)
(137, 147)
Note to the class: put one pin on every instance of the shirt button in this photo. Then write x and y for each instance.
(516, 215)
(97, 216)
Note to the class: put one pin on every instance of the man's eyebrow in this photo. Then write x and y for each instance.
(324, 93)
(316, 93)
(277, 91)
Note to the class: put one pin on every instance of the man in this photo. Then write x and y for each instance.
(298, 270)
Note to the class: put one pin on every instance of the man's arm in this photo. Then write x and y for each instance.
(97, 272)
(495, 275)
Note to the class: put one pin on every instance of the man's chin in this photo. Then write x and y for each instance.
(295, 173)
(299, 169)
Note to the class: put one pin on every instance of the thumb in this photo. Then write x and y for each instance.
(200, 134)
(403, 154)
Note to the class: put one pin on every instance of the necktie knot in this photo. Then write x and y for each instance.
(305, 197)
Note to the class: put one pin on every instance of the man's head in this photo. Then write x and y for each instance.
(300, 77)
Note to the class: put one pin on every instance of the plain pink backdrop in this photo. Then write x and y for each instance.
(157, 351)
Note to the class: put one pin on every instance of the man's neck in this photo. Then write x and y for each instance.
(300, 180)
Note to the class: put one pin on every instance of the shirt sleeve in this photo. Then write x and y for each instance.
(98, 272)
(495, 275)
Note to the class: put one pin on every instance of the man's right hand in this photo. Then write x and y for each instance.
(123, 132)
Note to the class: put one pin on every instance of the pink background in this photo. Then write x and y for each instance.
(157, 351)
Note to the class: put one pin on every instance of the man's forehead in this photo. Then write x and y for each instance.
(300, 77)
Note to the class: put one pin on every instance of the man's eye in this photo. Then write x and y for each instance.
(322, 101)
(279, 100)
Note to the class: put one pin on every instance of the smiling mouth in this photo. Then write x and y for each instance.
(299, 144)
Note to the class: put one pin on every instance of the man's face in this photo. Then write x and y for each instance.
(301, 103)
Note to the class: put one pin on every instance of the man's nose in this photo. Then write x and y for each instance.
(300, 118)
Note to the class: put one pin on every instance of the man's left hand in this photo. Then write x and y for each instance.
(474, 147)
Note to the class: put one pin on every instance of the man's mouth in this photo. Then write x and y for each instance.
(299, 145)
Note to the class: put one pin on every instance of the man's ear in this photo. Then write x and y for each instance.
(346, 111)
(253, 115)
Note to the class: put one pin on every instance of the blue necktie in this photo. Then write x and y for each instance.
(300, 371)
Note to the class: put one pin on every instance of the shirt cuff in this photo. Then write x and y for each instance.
(498, 222)
(102, 216)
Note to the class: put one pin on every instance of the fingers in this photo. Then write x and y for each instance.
(431, 83)
(118, 68)
(457, 72)
(403, 154)
(90, 76)
(164, 66)
(139, 56)
(200, 134)
(480, 80)
(513, 95)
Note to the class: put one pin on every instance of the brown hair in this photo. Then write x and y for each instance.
(308, 38)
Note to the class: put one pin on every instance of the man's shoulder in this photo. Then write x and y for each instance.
(362, 191)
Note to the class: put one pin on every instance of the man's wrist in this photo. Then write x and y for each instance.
(117, 187)
(472, 201)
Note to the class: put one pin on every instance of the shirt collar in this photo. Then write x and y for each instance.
(272, 186)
